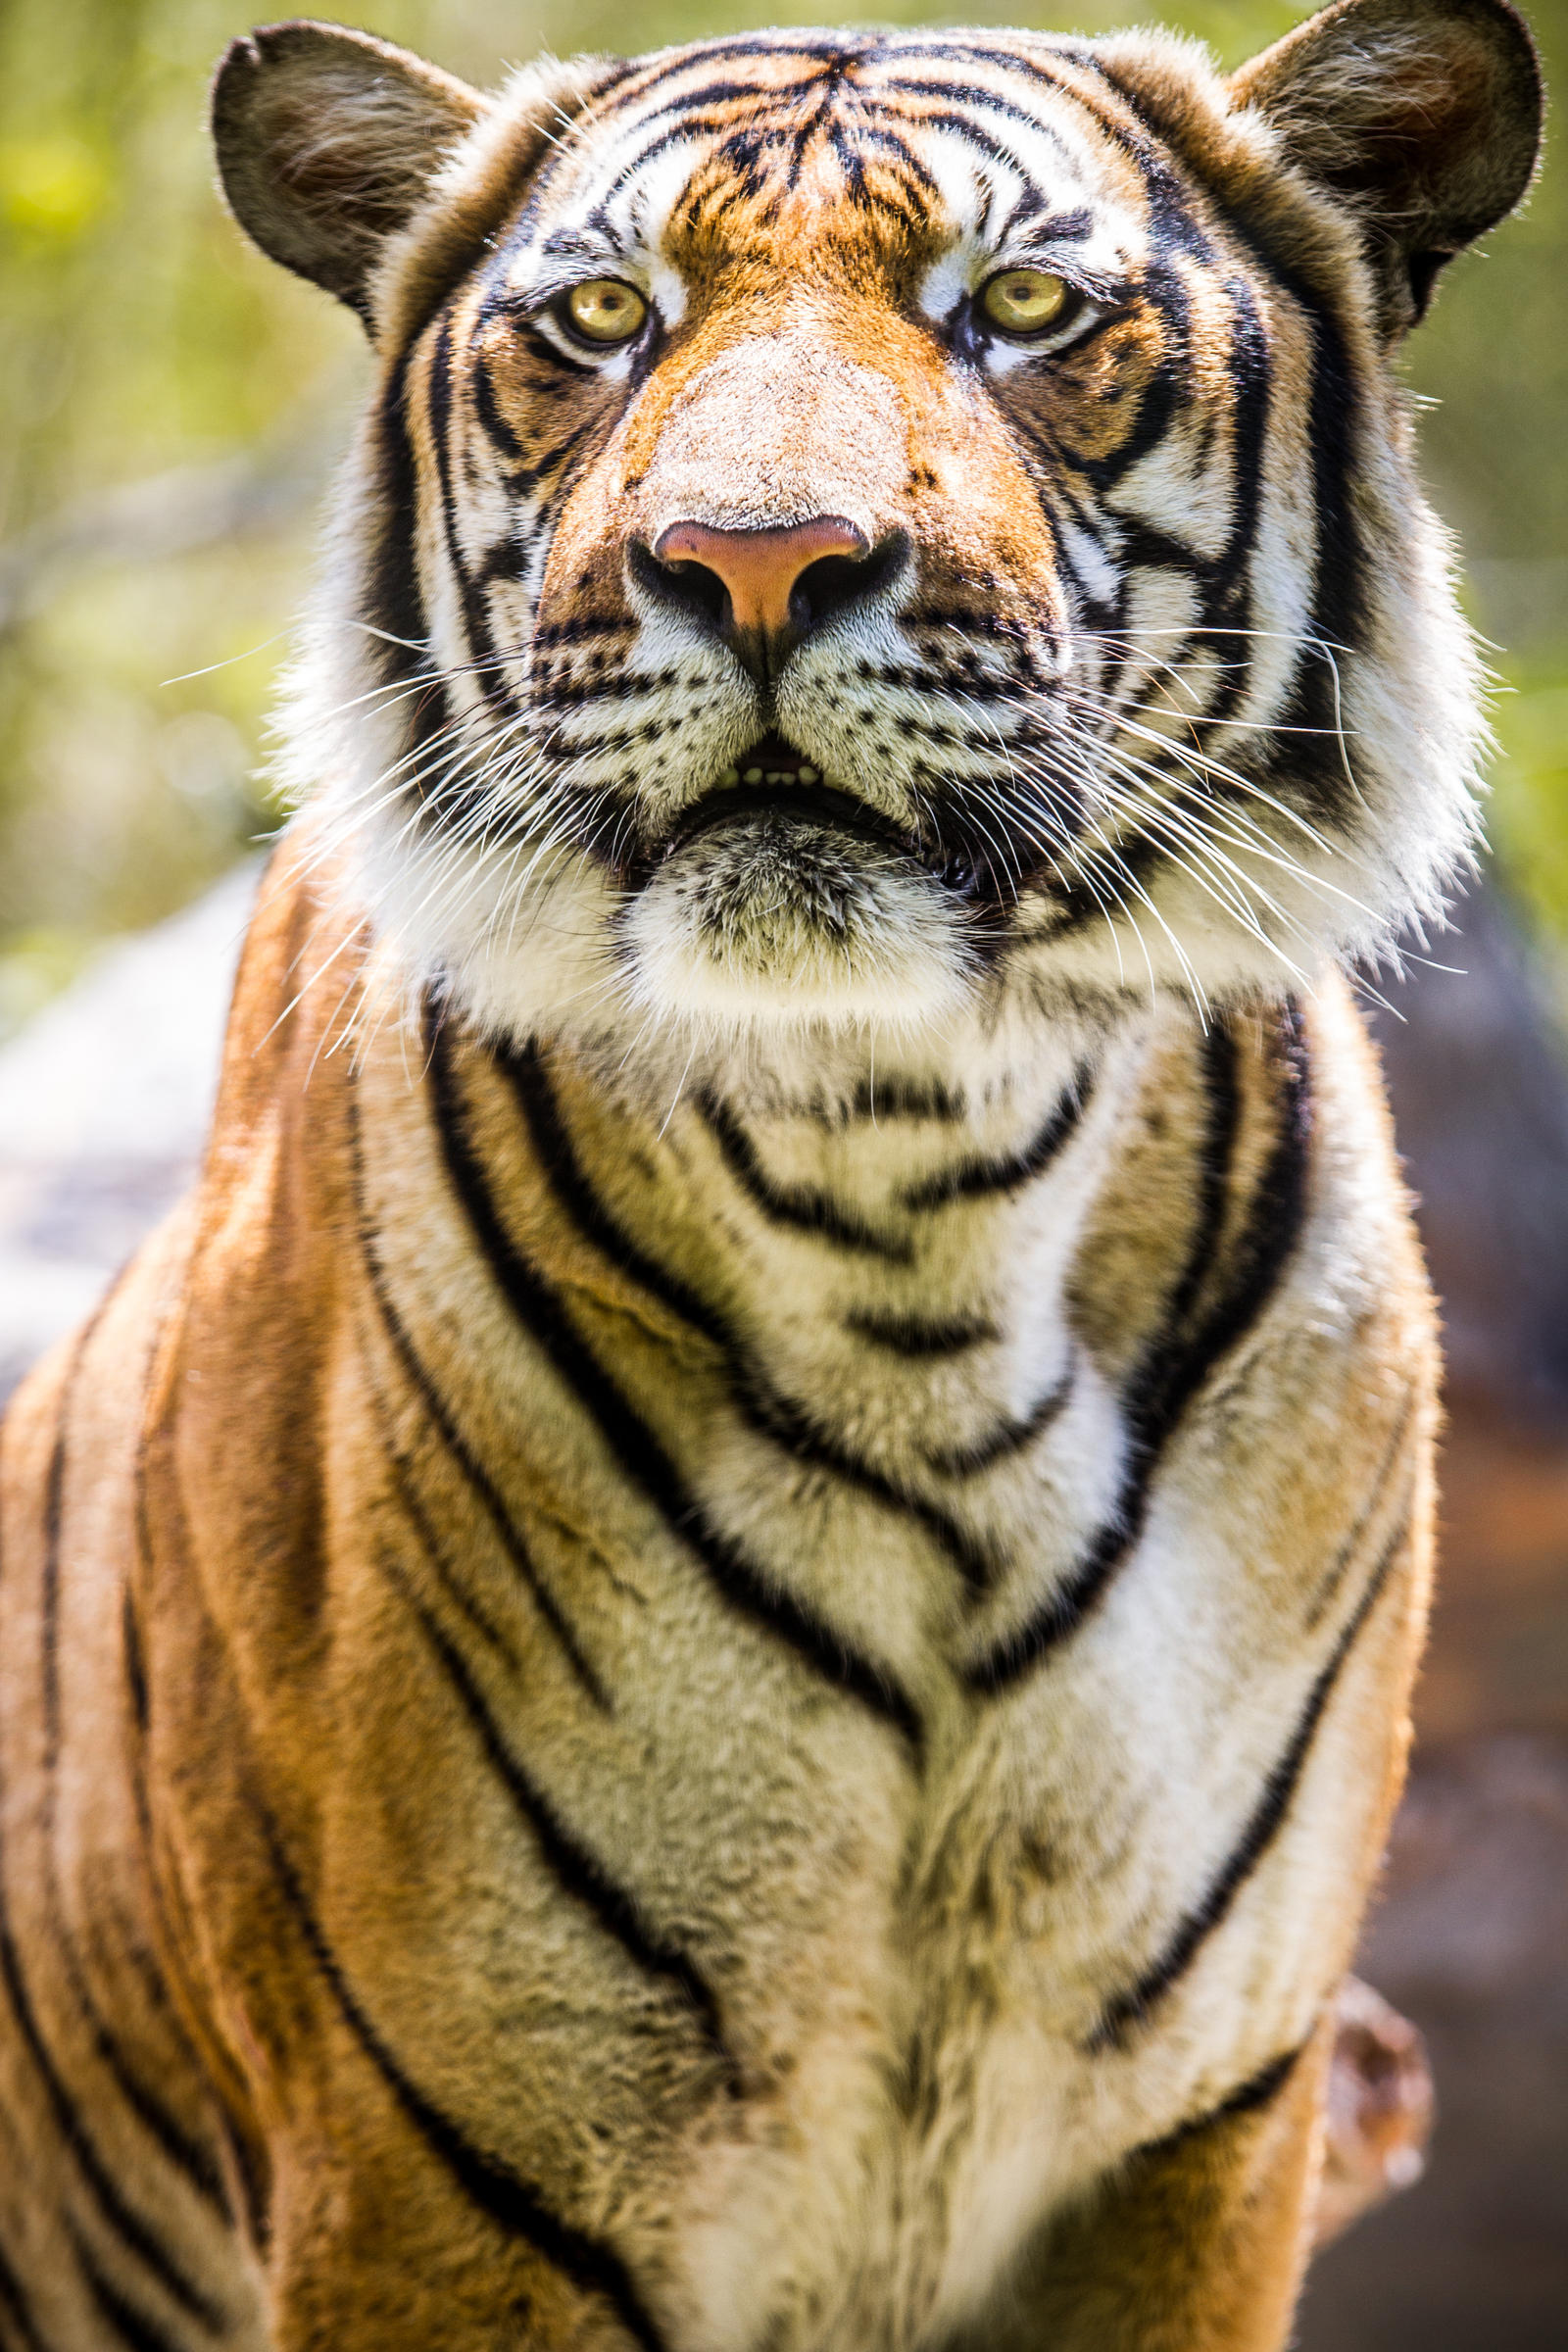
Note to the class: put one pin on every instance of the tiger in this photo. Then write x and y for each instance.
(713, 1653)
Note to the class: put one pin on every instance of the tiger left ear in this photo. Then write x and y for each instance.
(1423, 115)
(328, 141)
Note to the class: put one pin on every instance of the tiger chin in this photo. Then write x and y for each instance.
(714, 1652)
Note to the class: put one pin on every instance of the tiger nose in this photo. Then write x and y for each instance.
(753, 584)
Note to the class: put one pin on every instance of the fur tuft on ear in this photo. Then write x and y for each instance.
(328, 141)
(1424, 115)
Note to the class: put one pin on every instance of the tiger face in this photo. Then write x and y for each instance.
(888, 530)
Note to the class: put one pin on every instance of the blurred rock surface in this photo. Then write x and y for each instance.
(104, 1104)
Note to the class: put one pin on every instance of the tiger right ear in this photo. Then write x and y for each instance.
(328, 141)
(1424, 115)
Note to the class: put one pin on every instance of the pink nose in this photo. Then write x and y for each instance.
(759, 570)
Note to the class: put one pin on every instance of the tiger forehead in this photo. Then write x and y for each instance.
(836, 152)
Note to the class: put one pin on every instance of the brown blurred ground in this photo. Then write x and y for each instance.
(1470, 1935)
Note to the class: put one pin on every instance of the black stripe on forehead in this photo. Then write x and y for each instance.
(768, 121)
(1169, 201)
(768, 130)
(831, 70)
(751, 117)
(669, 64)
(766, 125)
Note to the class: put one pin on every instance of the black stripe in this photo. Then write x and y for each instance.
(1007, 1436)
(486, 661)
(581, 1874)
(135, 1659)
(911, 1337)
(145, 1962)
(492, 424)
(639, 1453)
(135, 2233)
(129, 2325)
(253, 2176)
(1190, 1343)
(1259, 2090)
(1132, 2007)
(897, 1097)
(1338, 620)
(53, 1518)
(1227, 609)
(17, 2309)
(780, 1418)
(1161, 1369)
(195, 2163)
(1332, 431)
(473, 1472)
(877, 136)
(428, 1541)
(974, 1179)
(723, 49)
(515, 2205)
(1275, 1217)
(558, 1157)
(580, 630)
(801, 1207)
(791, 1428)
(125, 2224)
(396, 606)
(1327, 1592)
(185, 2154)
(1168, 390)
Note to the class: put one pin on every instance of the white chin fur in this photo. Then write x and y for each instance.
(776, 930)
(732, 940)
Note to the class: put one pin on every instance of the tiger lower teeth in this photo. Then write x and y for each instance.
(771, 775)
(804, 773)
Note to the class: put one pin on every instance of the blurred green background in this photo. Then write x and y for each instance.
(170, 405)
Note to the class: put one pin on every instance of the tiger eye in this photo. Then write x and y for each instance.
(1023, 301)
(606, 310)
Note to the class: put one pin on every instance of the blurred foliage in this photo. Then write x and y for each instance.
(169, 403)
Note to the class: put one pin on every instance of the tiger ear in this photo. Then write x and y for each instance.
(328, 141)
(1423, 115)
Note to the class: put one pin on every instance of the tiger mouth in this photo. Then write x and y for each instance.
(774, 780)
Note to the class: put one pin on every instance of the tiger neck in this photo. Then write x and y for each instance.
(887, 1246)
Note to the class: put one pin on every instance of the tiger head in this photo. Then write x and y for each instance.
(864, 530)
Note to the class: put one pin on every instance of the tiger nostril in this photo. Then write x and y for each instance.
(833, 581)
(698, 587)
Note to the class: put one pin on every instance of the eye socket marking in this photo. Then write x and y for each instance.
(603, 311)
(1026, 302)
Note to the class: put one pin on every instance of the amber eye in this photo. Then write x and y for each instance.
(1023, 302)
(605, 311)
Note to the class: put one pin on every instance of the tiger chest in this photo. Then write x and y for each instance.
(866, 1715)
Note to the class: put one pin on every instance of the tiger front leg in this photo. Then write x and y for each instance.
(1199, 2246)
(391, 2253)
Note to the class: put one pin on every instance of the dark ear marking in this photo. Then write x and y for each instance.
(1424, 116)
(327, 143)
